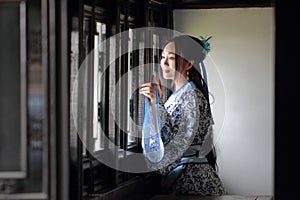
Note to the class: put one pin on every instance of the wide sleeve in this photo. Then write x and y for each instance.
(178, 133)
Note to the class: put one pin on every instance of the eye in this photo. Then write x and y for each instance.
(162, 57)
(172, 58)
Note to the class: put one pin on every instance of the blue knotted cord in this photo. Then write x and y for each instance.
(153, 148)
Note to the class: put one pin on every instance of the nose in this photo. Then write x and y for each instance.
(165, 61)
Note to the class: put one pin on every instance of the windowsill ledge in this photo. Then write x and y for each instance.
(224, 197)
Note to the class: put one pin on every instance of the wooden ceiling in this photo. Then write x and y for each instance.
(190, 4)
(222, 3)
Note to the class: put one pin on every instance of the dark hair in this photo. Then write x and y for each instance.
(192, 48)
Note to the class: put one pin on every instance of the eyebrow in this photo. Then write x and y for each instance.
(167, 52)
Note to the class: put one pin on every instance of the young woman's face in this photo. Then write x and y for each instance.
(168, 61)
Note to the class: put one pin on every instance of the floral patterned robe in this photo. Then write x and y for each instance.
(186, 120)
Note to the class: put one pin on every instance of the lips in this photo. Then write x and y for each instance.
(167, 71)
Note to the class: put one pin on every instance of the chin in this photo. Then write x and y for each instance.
(168, 77)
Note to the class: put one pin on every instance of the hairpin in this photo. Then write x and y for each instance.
(206, 44)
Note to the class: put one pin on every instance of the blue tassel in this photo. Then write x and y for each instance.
(152, 144)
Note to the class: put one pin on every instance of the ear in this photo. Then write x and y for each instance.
(189, 65)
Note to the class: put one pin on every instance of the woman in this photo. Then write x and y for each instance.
(188, 161)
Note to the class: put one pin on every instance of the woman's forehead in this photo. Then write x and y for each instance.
(169, 48)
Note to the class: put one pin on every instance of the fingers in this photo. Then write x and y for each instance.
(147, 90)
(146, 85)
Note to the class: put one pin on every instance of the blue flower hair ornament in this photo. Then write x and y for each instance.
(206, 44)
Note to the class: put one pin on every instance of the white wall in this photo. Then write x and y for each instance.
(241, 78)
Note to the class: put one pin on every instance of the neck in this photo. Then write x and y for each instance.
(179, 82)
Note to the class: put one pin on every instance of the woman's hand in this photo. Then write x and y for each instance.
(147, 89)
